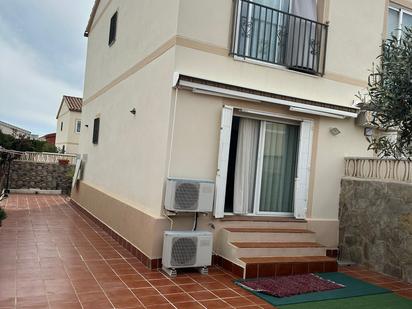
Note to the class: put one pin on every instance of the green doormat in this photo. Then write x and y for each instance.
(381, 301)
(353, 287)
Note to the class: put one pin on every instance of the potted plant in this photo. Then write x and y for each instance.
(3, 215)
(63, 162)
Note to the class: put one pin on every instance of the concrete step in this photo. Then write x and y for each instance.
(286, 224)
(263, 234)
(255, 267)
(276, 249)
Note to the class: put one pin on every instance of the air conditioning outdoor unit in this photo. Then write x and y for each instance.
(187, 195)
(186, 250)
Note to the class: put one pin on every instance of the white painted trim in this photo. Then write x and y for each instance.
(259, 166)
(247, 96)
(223, 160)
(308, 111)
(271, 115)
(303, 169)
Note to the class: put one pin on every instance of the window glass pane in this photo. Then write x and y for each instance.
(279, 167)
(406, 20)
(267, 29)
(393, 22)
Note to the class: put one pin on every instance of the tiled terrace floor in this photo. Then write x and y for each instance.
(53, 257)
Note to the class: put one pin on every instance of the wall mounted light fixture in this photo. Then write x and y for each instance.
(334, 131)
(133, 111)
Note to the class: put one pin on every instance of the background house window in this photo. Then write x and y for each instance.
(61, 126)
(113, 29)
(398, 18)
(78, 126)
(96, 127)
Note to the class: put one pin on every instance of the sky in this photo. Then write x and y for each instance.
(42, 57)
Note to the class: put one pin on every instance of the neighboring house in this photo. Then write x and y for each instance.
(10, 129)
(69, 124)
(242, 93)
(50, 138)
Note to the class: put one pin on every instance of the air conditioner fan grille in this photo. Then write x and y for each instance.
(187, 196)
(184, 251)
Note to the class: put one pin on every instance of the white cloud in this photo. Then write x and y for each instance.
(30, 92)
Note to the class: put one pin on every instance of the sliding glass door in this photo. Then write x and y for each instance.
(277, 161)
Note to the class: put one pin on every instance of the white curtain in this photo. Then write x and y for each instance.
(302, 35)
(245, 170)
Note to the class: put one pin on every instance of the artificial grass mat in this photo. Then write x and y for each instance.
(380, 301)
(353, 288)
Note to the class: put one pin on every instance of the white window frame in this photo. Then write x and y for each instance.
(75, 126)
(401, 12)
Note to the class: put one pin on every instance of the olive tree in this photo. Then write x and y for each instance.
(389, 96)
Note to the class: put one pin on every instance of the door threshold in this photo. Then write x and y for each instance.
(261, 219)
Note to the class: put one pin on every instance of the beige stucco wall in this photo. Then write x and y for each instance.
(129, 160)
(196, 142)
(156, 38)
(142, 27)
(348, 56)
(68, 136)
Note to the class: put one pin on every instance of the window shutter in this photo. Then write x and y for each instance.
(303, 170)
(223, 160)
(96, 127)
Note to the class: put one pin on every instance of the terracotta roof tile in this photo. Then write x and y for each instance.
(74, 103)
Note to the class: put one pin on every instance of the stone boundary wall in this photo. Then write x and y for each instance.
(44, 176)
(376, 225)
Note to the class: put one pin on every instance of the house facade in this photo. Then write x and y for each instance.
(7, 128)
(256, 96)
(69, 124)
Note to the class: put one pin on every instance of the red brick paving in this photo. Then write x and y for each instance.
(51, 256)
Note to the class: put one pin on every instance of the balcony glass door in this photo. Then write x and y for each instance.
(263, 29)
(277, 168)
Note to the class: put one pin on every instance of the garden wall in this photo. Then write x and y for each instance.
(376, 225)
(44, 176)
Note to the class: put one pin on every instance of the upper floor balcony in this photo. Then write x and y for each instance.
(276, 36)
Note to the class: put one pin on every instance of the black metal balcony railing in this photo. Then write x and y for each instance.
(269, 35)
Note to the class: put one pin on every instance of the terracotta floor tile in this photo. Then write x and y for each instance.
(183, 280)
(189, 305)
(225, 293)
(145, 292)
(202, 295)
(214, 304)
(153, 300)
(31, 301)
(62, 298)
(238, 301)
(70, 305)
(178, 298)
(94, 300)
(7, 302)
(52, 254)
(192, 287)
(86, 286)
(161, 282)
(122, 298)
(214, 286)
(169, 289)
(163, 306)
